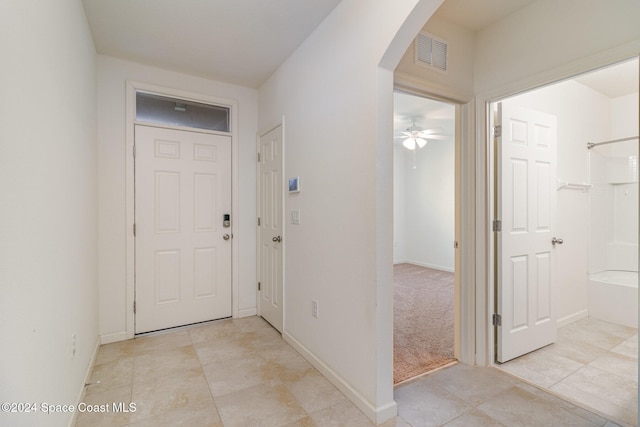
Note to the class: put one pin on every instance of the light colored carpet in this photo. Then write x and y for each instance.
(423, 320)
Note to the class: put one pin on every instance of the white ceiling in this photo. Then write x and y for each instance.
(244, 41)
(478, 14)
(235, 41)
(618, 80)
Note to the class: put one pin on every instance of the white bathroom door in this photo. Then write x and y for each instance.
(526, 177)
(270, 227)
(182, 246)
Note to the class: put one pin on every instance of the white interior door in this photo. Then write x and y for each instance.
(183, 249)
(527, 208)
(270, 246)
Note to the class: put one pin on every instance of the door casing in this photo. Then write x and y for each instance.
(282, 220)
(130, 109)
(463, 342)
(485, 192)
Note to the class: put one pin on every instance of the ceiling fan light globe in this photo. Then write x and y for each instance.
(421, 142)
(409, 144)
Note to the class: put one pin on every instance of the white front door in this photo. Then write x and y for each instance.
(270, 245)
(182, 246)
(527, 208)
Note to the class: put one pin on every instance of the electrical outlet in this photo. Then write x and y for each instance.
(314, 308)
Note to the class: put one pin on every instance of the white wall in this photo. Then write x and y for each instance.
(338, 106)
(48, 206)
(112, 76)
(583, 115)
(426, 231)
(399, 205)
(624, 123)
(548, 36)
(431, 205)
(457, 82)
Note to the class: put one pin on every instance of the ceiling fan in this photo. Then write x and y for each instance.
(416, 137)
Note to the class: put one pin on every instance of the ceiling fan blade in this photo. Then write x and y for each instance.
(433, 130)
(426, 132)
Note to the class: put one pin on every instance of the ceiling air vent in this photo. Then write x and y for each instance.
(431, 52)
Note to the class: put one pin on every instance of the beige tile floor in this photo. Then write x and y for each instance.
(241, 373)
(593, 363)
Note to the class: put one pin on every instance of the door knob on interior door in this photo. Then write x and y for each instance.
(558, 241)
(226, 237)
(276, 239)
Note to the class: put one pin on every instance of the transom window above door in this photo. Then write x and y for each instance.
(152, 108)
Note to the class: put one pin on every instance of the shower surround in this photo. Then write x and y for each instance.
(613, 237)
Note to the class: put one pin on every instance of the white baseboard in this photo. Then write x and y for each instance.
(377, 415)
(114, 337)
(566, 320)
(87, 377)
(246, 312)
(427, 265)
(386, 412)
(122, 336)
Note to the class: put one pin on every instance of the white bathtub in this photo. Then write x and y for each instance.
(613, 297)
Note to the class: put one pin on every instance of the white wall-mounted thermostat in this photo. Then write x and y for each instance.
(294, 185)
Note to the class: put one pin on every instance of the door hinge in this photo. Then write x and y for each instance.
(259, 286)
(258, 157)
(134, 307)
(497, 225)
(258, 221)
(497, 320)
(134, 230)
(497, 131)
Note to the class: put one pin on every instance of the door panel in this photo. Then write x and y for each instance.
(183, 262)
(270, 260)
(527, 209)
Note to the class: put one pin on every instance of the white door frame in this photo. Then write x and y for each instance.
(485, 190)
(130, 108)
(259, 135)
(464, 321)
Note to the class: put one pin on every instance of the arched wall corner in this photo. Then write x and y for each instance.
(422, 11)
(407, 31)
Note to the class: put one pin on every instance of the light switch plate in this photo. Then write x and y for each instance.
(295, 217)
